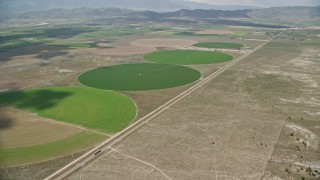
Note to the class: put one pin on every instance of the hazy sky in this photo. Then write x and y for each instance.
(267, 3)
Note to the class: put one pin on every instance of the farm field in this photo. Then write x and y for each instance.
(219, 45)
(123, 50)
(101, 110)
(187, 57)
(210, 31)
(214, 33)
(46, 151)
(21, 145)
(67, 36)
(163, 42)
(40, 130)
(140, 76)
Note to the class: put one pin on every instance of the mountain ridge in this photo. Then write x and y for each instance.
(21, 6)
(274, 13)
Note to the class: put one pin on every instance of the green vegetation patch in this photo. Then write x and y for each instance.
(106, 111)
(66, 36)
(187, 57)
(241, 33)
(219, 45)
(41, 33)
(76, 45)
(143, 76)
(32, 154)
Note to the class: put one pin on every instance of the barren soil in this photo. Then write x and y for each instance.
(243, 27)
(123, 50)
(162, 42)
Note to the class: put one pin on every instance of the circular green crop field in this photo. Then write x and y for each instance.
(135, 77)
(219, 45)
(103, 110)
(187, 57)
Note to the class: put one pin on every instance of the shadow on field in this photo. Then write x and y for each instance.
(5, 121)
(51, 54)
(61, 33)
(35, 41)
(41, 51)
(33, 100)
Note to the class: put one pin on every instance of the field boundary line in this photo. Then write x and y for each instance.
(74, 165)
(59, 122)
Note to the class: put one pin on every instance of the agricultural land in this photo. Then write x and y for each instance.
(190, 94)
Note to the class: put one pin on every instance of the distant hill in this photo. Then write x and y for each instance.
(269, 13)
(78, 13)
(117, 12)
(195, 5)
(201, 13)
(298, 12)
(21, 6)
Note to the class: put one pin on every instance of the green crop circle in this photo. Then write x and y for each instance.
(102, 110)
(136, 77)
(187, 57)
